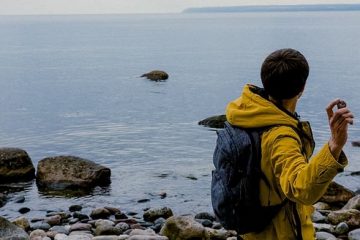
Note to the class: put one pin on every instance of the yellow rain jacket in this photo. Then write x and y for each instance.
(286, 150)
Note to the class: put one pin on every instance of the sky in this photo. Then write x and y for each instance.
(34, 7)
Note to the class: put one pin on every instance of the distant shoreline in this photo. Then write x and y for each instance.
(276, 8)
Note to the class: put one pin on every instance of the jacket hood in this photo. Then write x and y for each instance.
(253, 110)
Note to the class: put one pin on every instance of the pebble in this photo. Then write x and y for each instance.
(24, 210)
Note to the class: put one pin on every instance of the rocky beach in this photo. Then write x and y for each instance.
(336, 215)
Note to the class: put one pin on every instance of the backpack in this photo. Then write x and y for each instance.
(235, 181)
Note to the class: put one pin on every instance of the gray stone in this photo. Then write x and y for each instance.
(155, 213)
(145, 237)
(61, 236)
(8, 229)
(64, 172)
(325, 236)
(104, 222)
(110, 237)
(341, 228)
(80, 227)
(318, 217)
(323, 227)
(19, 199)
(354, 235)
(60, 229)
(40, 225)
(15, 165)
(122, 226)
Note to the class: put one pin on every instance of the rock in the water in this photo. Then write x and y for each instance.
(64, 172)
(341, 228)
(15, 165)
(3, 199)
(214, 121)
(337, 194)
(9, 230)
(156, 75)
(183, 228)
(355, 143)
(155, 213)
(205, 215)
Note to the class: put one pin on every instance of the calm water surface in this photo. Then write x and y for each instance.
(69, 85)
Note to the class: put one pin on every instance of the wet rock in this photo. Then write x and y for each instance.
(120, 216)
(9, 230)
(75, 208)
(69, 172)
(80, 216)
(144, 200)
(205, 215)
(99, 213)
(156, 75)
(205, 222)
(351, 217)
(155, 213)
(337, 194)
(183, 228)
(106, 238)
(214, 121)
(24, 210)
(22, 222)
(15, 165)
(355, 143)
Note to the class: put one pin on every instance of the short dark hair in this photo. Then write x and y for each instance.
(284, 73)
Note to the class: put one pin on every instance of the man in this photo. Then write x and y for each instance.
(288, 144)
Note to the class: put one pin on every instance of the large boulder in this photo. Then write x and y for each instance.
(184, 228)
(9, 231)
(15, 165)
(156, 75)
(337, 194)
(69, 172)
(214, 121)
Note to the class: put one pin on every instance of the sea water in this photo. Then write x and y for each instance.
(70, 85)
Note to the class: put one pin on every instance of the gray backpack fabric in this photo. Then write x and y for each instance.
(235, 181)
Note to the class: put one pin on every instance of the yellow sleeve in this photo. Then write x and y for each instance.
(301, 180)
